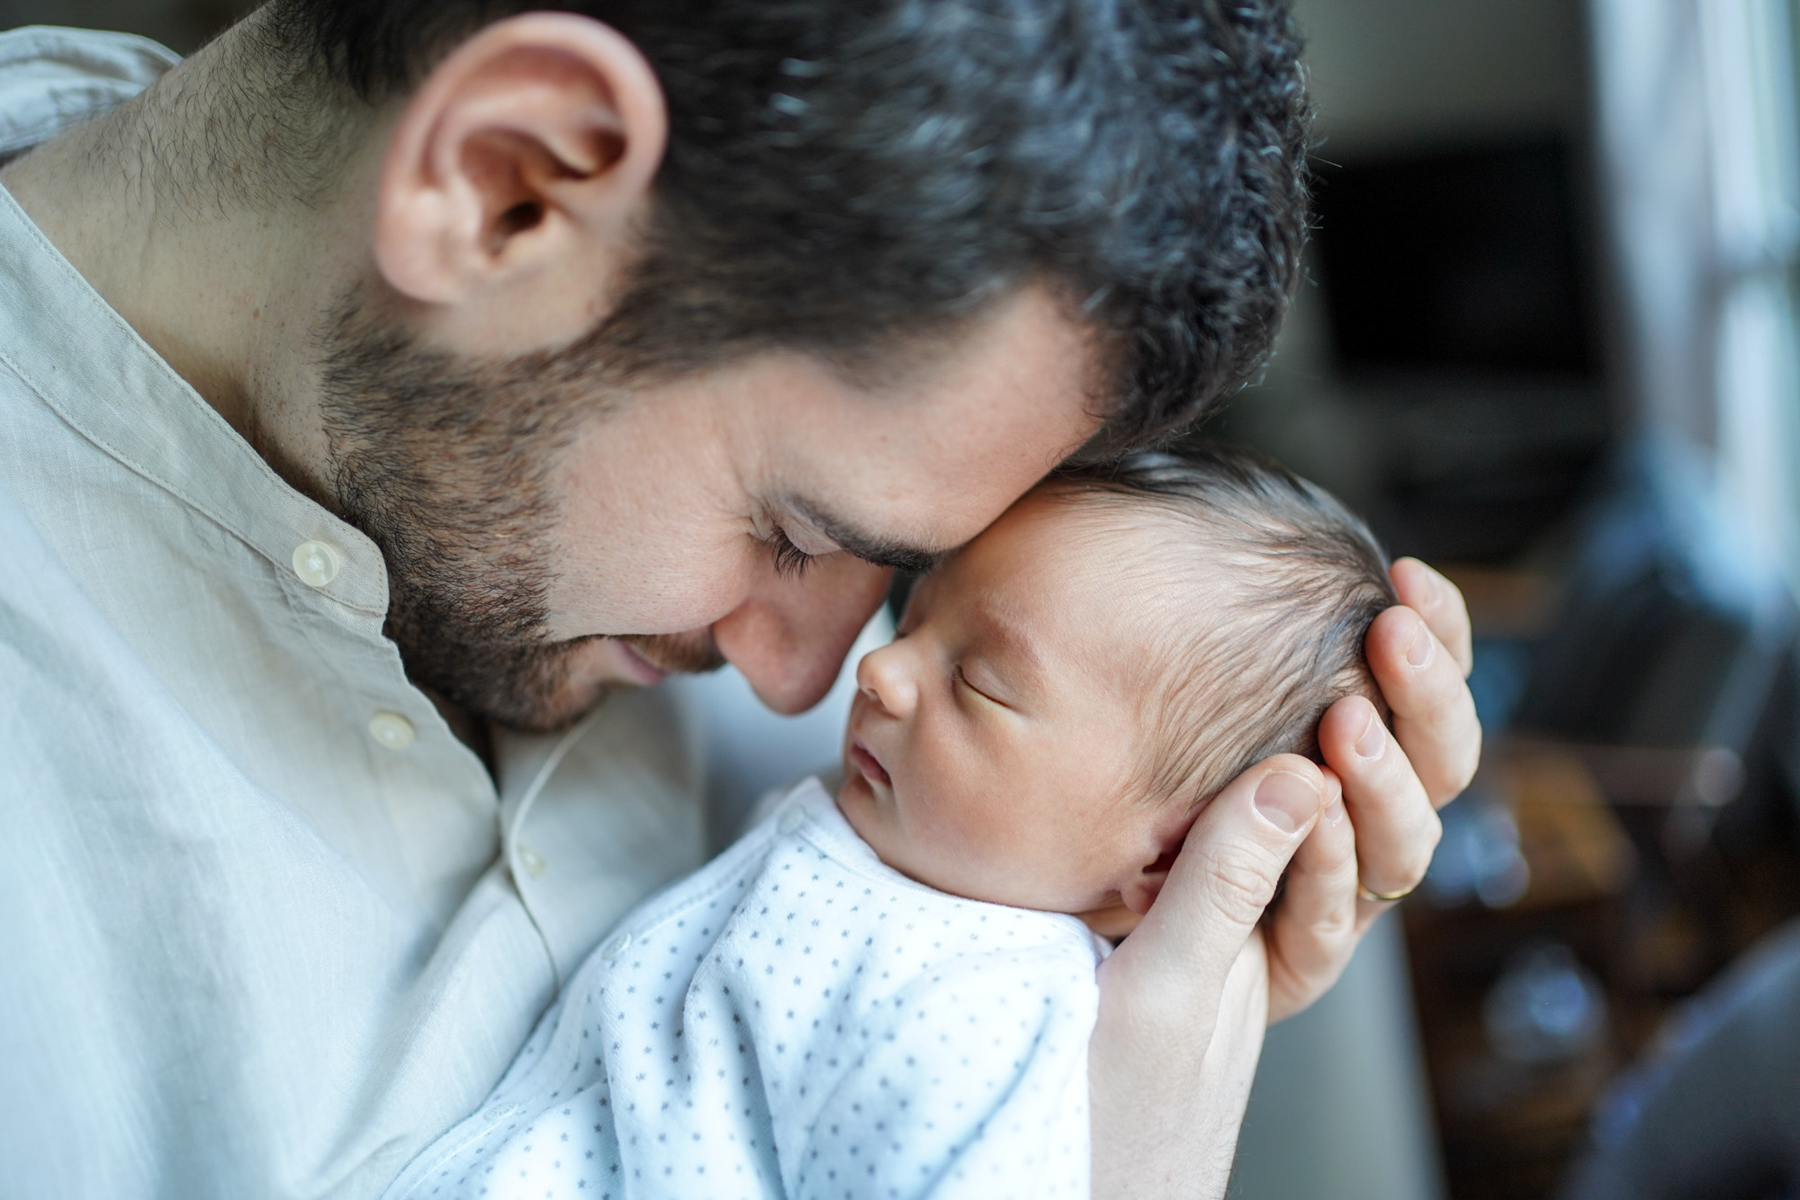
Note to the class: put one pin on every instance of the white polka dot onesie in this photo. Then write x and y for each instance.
(798, 1019)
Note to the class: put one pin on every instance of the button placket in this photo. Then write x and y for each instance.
(317, 563)
(391, 730)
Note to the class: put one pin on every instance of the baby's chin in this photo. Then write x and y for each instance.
(856, 800)
(867, 812)
(1111, 922)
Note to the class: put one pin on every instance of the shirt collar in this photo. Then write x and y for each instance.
(52, 78)
(88, 364)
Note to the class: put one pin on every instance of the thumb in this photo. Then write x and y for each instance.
(1171, 1036)
(1228, 869)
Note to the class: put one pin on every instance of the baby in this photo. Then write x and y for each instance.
(890, 993)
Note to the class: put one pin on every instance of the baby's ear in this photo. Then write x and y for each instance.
(1141, 892)
(1134, 899)
(1138, 893)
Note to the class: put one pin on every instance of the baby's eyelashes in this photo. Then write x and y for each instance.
(961, 677)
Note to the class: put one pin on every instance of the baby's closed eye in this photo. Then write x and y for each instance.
(959, 675)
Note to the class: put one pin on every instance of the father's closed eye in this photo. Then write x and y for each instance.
(871, 548)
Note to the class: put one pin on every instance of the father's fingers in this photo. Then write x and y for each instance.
(1434, 714)
(1396, 826)
(1440, 602)
(1313, 930)
(1183, 1001)
(1216, 892)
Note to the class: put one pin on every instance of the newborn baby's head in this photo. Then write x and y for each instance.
(1069, 690)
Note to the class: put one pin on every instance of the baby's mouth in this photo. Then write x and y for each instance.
(869, 765)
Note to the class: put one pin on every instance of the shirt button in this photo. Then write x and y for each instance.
(316, 563)
(791, 820)
(613, 949)
(533, 862)
(391, 730)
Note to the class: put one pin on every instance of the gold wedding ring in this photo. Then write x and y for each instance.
(1384, 897)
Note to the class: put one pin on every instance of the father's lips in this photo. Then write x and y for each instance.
(646, 673)
(869, 765)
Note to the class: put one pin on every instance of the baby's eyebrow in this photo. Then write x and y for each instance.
(992, 623)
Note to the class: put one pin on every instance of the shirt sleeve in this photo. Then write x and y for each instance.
(977, 1087)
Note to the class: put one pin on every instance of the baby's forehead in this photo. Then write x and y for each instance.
(1145, 544)
(1115, 574)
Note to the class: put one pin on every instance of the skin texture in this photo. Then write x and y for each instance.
(993, 746)
(779, 447)
(489, 214)
(528, 522)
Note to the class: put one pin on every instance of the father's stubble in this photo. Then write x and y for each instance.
(447, 464)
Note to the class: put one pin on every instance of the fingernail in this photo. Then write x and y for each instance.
(1287, 801)
(1372, 740)
(1418, 653)
(1334, 814)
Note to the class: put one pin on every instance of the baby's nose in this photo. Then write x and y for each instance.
(884, 677)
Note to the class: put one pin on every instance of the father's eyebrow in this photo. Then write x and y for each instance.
(883, 552)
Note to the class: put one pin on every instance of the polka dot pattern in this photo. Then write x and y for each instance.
(797, 1019)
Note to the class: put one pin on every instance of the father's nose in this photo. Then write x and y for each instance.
(790, 636)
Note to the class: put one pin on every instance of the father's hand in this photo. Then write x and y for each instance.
(1393, 785)
(1184, 1001)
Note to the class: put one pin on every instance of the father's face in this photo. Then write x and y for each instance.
(541, 551)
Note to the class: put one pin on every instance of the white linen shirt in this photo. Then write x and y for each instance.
(267, 928)
(797, 1019)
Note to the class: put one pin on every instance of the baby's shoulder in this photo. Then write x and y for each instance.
(802, 906)
(824, 912)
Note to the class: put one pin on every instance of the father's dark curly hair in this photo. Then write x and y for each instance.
(844, 176)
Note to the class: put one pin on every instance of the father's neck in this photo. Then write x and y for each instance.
(167, 209)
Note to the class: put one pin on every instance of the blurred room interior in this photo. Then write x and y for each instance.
(1546, 344)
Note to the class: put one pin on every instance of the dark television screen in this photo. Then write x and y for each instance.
(1456, 260)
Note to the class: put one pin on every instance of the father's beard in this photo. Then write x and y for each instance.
(447, 464)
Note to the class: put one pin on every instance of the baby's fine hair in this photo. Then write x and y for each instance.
(1284, 585)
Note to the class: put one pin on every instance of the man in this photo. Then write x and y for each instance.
(391, 377)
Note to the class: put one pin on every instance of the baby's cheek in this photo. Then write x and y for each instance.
(1011, 854)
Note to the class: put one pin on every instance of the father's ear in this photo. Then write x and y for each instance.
(514, 179)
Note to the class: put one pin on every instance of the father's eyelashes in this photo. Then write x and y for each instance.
(791, 562)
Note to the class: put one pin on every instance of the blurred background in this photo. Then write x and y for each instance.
(1548, 345)
(1547, 342)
